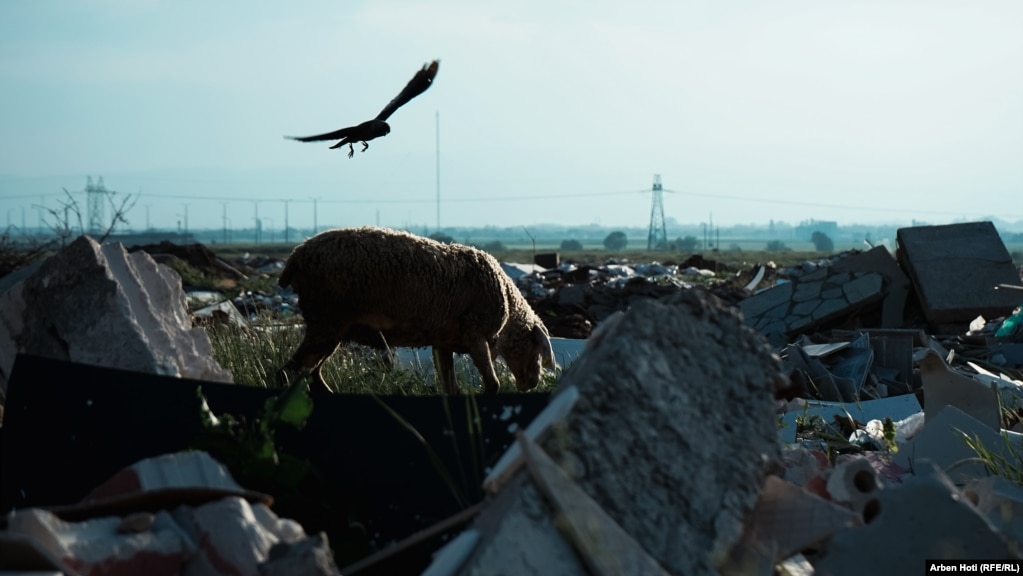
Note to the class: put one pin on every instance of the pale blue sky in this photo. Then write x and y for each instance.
(550, 111)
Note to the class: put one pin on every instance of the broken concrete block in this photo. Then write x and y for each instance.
(21, 555)
(854, 482)
(232, 536)
(453, 555)
(897, 286)
(310, 556)
(810, 301)
(688, 366)
(99, 305)
(955, 269)
(829, 386)
(600, 541)
(519, 535)
(95, 547)
(194, 469)
(788, 519)
(1001, 501)
(893, 358)
(944, 386)
(942, 442)
(932, 521)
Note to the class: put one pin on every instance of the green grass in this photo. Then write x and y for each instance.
(253, 355)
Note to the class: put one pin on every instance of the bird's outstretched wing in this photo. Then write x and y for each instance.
(336, 134)
(416, 86)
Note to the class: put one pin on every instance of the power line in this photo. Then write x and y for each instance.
(532, 197)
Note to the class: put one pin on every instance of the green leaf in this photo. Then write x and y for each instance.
(293, 407)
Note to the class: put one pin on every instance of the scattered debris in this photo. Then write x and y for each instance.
(643, 475)
(711, 421)
(100, 305)
(932, 520)
(203, 523)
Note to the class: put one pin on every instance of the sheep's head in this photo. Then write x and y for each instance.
(527, 352)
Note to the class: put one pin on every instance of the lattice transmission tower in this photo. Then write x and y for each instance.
(658, 237)
(95, 196)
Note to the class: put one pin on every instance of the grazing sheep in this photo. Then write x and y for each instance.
(375, 285)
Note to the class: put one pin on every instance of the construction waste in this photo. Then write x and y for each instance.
(857, 414)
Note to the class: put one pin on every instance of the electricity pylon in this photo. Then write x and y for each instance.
(658, 237)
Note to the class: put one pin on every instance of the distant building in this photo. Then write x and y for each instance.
(806, 228)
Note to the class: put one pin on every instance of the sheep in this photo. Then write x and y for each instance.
(374, 285)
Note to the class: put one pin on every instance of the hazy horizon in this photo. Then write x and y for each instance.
(866, 112)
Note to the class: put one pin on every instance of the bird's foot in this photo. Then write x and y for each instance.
(365, 145)
(351, 151)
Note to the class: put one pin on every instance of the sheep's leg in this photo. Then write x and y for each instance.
(484, 362)
(444, 364)
(314, 350)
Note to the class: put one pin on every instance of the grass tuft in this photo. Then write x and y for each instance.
(254, 354)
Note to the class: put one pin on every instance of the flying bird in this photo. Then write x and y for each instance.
(378, 126)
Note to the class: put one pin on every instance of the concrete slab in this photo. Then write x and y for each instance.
(941, 442)
(955, 269)
(604, 546)
(519, 536)
(788, 519)
(893, 352)
(1001, 502)
(943, 386)
(925, 518)
(897, 285)
(700, 367)
(809, 302)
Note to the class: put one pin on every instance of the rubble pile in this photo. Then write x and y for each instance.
(852, 415)
(197, 256)
(574, 298)
(678, 492)
(100, 305)
(178, 514)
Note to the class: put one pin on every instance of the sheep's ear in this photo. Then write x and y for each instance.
(544, 342)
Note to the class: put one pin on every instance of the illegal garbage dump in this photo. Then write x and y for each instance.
(855, 414)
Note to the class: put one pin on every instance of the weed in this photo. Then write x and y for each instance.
(254, 354)
(1008, 465)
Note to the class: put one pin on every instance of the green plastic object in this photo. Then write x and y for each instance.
(1010, 326)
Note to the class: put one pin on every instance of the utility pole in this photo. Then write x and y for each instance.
(255, 203)
(438, 170)
(315, 227)
(286, 221)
